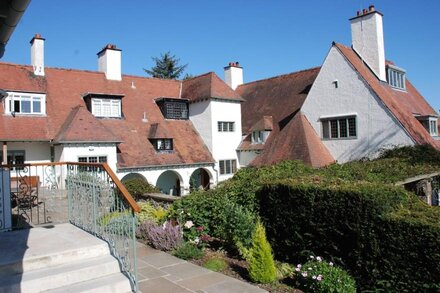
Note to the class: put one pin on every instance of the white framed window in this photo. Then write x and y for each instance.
(162, 144)
(396, 77)
(25, 104)
(226, 126)
(92, 159)
(433, 127)
(339, 128)
(258, 136)
(228, 167)
(106, 107)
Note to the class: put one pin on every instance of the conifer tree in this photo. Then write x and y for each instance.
(167, 67)
(261, 263)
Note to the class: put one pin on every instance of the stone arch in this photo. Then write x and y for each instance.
(200, 179)
(170, 182)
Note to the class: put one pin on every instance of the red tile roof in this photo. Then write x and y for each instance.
(278, 97)
(65, 89)
(82, 126)
(402, 104)
(207, 86)
(296, 141)
(278, 101)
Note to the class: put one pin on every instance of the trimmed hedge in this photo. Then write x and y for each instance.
(364, 227)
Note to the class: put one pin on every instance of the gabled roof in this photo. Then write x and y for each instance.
(277, 102)
(404, 105)
(278, 97)
(296, 141)
(65, 88)
(82, 126)
(208, 86)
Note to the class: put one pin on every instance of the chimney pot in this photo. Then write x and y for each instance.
(365, 11)
(371, 8)
(109, 62)
(358, 13)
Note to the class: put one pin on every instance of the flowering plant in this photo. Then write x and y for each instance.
(195, 234)
(317, 275)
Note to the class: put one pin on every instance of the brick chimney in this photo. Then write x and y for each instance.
(368, 41)
(109, 62)
(37, 54)
(233, 75)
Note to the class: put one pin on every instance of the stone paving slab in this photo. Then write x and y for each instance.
(161, 272)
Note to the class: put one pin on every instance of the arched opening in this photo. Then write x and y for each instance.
(200, 179)
(131, 176)
(169, 183)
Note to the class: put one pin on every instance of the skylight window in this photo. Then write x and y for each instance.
(430, 124)
(396, 77)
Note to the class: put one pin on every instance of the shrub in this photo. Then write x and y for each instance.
(188, 251)
(261, 263)
(319, 276)
(138, 187)
(384, 236)
(165, 237)
(215, 264)
(149, 212)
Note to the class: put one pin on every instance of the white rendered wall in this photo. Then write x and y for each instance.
(200, 116)
(225, 144)
(368, 41)
(246, 157)
(109, 62)
(183, 173)
(376, 127)
(71, 152)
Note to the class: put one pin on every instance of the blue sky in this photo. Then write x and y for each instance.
(268, 38)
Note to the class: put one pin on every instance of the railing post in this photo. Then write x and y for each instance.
(133, 225)
(94, 208)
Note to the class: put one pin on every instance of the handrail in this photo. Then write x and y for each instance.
(125, 194)
(122, 188)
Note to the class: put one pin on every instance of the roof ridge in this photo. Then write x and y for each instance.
(282, 75)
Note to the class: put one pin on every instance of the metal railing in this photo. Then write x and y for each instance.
(88, 195)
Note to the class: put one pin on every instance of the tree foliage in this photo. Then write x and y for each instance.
(166, 66)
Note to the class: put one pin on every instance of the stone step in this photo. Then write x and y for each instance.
(38, 248)
(115, 283)
(60, 276)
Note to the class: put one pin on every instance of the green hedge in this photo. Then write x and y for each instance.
(385, 237)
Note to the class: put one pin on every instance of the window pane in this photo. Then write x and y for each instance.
(103, 159)
(36, 106)
(115, 108)
(93, 160)
(352, 126)
(96, 107)
(105, 108)
(222, 167)
(160, 144)
(231, 126)
(343, 128)
(325, 129)
(219, 125)
(228, 166)
(234, 166)
(82, 159)
(334, 128)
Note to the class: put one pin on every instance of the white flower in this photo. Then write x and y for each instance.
(299, 266)
(312, 257)
(309, 269)
(330, 263)
(189, 224)
(314, 277)
(197, 240)
(319, 277)
(298, 269)
(319, 258)
(304, 274)
(164, 225)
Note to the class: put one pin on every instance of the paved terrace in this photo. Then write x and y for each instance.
(157, 271)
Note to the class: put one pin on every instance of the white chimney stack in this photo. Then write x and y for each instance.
(37, 54)
(109, 62)
(234, 75)
(368, 41)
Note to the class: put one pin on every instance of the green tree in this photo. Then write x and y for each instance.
(167, 66)
(261, 263)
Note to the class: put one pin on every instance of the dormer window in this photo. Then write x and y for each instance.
(25, 104)
(174, 108)
(396, 77)
(162, 144)
(104, 105)
(430, 124)
(259, 136)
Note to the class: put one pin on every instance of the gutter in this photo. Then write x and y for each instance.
(167, 166)
(13, 13)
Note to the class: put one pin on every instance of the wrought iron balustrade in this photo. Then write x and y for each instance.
(87, 195)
